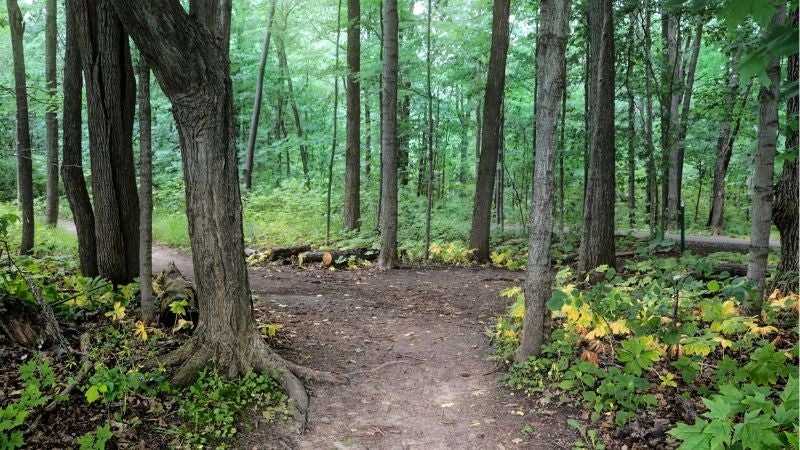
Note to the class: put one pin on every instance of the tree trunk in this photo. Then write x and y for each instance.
(490, 136)
(652, 173)
(72, 167)
(669, 99)
(388, 256)
(50, 117)
(597, 245)
(367, 137)
(631, 128)
(404, 127)
(202, 100)
(561, 150)
(352, 171)
(429, 134)
(110, 93)
(145, 193)
(785, 202)
(550, 54)
(478, 134)
(334, 138)
(254, 118)
(763, 167)
(24, 163)
(298, 126)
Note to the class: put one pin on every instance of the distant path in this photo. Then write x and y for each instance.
(704, 244)
(414, 344)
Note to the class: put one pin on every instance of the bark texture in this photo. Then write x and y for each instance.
(550, 54)
(352, 169)
(763, 167)
(490, 133)
(597, 244)
(298, 125)
(145, 193)
(72, 158)
(111, 97)
(669, 102)
(24, 163)
(388, 257)
(51, 121)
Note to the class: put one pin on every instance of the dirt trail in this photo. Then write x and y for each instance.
(704, 244)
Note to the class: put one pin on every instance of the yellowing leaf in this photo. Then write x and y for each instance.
(619, 327)
(668, 380)
(270, 329)
(600, 330)
(117, 313)
(140, 330)
(762, 331)
(181, 324)
(724, 343)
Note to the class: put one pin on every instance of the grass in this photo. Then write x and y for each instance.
(47, 240)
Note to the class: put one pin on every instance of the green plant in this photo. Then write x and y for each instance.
(36, 375)
(97, 439)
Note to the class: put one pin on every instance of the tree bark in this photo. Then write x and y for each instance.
(334, 138)
(352, 171)
(110, 93)
(367, 137)
(24, 163)
(597, 245)
(145, 193)
(785, 202)
(72, 159)
(669, 102)
(50, 118)
(631, 128)
(490, 134)
(652, 173)
(298, 126)
(254, 118)
(763, 167)
(429, 134)
(388, 257)
(551, 47)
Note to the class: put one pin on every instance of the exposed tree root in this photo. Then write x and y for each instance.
(244, 355)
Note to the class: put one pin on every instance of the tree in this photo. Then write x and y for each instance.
(429, 134)
(490, 133)
(254, 118)
(631, 125)
(652, 173)
(352, 173)
(334, 137)
(387, 258)
(72, 158)
(50, 116)
(24, 163)
(551, 44)
(763, 167)
(172, 41)
(597, 244)
(298, 125)
(785, 201)
(670, 102)
(110, 93)
(145, 193)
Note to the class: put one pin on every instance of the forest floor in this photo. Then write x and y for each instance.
(704, 243)
(413, 343)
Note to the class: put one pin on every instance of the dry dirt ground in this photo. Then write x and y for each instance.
(413, 342)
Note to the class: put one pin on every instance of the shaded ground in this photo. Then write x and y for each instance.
(705, 244)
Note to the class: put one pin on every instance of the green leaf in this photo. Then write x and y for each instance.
(92, 394)
(557, 300)
(756, 432)
(693, 437)
(713, 286)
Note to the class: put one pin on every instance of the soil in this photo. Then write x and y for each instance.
(413, 343)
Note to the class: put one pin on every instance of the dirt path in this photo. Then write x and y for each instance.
(705, 244)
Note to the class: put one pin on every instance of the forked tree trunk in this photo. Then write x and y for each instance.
(24, 164)
(352, 170)
(388, 257)
(51, 121)
(254, 118)
(597, 245)
(145, 193)
(72, 160)
(550, 54)
(490, 134)
(763, 167)
(785, 202)
(202, 100)
(111, 96)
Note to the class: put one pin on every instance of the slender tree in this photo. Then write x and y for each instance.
(334, 138)
(631, 125)
(51, 121)
(24, 163)
(388, 257)
(763, 167)
(298, 125)
(785, 201)
(254, 118)
(367, 137)
(429, 134)
(490, 133)
(551, 44)
(669, 100)
(72, 159)
(145, 193)
(352, 171)
(597, 244)
(653, 208)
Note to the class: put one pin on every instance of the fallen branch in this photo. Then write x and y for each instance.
(337, 258)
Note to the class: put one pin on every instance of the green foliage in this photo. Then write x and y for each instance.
(97, 439)
(36, 375)
(115, 383)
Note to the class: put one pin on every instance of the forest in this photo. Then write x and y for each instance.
(375, 224)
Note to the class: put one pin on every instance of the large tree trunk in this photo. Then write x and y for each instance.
(597, 245)
(145, 193)
(202, 100)
(669, 101)
(785, 202)
(51, 121)
(111, 96)
(352, 171)
(72, 167)
(254, 118)
(24, 164)
(298, 126)
(550, 54)
(763, 167)
(725, 142)
(490, 134)
(388, 256)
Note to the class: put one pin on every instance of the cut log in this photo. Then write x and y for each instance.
(338, 258)
(278, 253)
